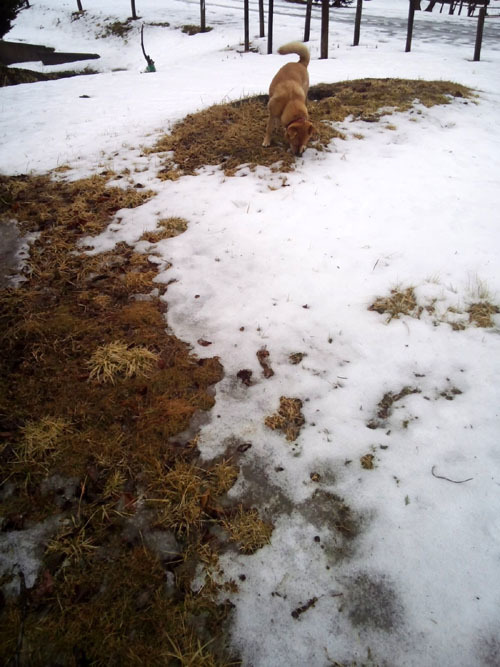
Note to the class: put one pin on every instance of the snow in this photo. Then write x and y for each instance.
(291, 263)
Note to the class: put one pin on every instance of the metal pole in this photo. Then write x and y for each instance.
(247, 29)
(357, 22)
(270, 26)
(479, 33)
(411, 16)
(261, 18)
(307, 27)
(203, 25)
(325, 17)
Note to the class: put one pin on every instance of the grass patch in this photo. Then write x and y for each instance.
(230, 135)
(480, 314)
(399, 302)
(288, 418)
(94, 399)
(119, 29)
(167, 229)
(12, 76)
(403, 301)
(190, 29)
(247, 529)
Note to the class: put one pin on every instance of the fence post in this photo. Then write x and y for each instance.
(247, 27)
(479, 33)
(357, 22)
(203, 24)
(261, 18)
(307, 26)
(325, 18)
(411, 16)
(270, 26)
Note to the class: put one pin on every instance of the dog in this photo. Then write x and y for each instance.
(287, 100)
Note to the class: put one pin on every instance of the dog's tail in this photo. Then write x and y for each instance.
(296, 47)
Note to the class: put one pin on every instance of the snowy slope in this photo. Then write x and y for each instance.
(292, 265)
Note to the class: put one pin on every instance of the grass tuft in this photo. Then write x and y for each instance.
(248, 530)
(400, 302)
(117, 359)
(481, 314)
(288, 419)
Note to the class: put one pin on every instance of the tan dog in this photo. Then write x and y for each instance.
(287, 100)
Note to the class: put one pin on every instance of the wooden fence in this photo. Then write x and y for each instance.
(414, 5)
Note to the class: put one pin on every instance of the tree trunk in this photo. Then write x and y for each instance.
(79, 5)
(134, 14)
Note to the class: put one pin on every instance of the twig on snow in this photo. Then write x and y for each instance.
(454, 481)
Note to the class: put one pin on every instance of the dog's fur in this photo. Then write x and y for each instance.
(287, 100)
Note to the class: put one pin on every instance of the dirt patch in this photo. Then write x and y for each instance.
(386, 406)
(230, 135)
(372, 603)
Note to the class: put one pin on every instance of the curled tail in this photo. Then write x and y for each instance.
(296, 47)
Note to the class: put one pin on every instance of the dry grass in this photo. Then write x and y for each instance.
(481, 314)
(92, 389)
(288, 419)
(117, 359)
(400, 302)
(248, 530)
(230, 135)
(42, 437)
(168, 228)
(403, 301)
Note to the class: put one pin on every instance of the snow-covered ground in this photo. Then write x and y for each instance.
(292, 264)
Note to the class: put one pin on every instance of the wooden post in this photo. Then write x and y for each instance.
(479, 33)
(203, 25)
(307, 27)
(247, 26)
(270, 11)
(261, 18)
(409, 34)
(325, 18)
(357, 22)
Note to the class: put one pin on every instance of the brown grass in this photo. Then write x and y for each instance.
(400, 302)
(481, 314)
(288, 418)
(92, 389)
(248, 530)
(230, 135)
(167, 229)
(403, 301)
